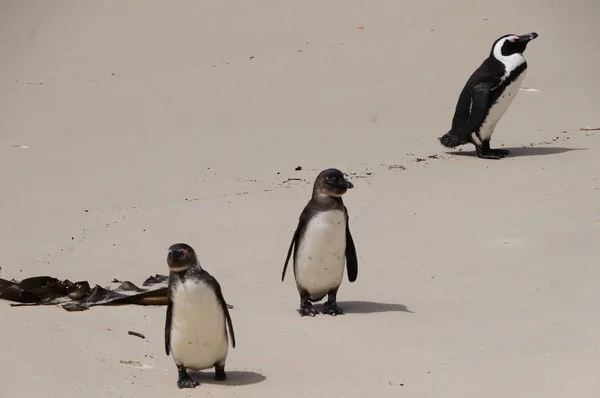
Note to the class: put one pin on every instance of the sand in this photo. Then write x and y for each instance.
(152, 122)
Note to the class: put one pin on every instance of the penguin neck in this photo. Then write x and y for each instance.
(184, 268)
(510, 62)
(326, 199)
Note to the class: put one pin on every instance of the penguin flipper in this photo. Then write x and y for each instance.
(480, 98)
(168, 326)
(351, 260)
(289, 253)
(302, 221)
(219, 294)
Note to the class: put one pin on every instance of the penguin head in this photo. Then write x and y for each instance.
(181, 257)
(510, 44)
(332, 183)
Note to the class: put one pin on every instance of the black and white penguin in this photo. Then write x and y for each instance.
(197, 317)
(488, 94)
(322, 243)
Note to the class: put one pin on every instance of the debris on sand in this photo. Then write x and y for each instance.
(80, 296)
(396, 166)
(136, 334)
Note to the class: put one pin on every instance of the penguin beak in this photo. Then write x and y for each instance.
(349, 184)
(528, 37)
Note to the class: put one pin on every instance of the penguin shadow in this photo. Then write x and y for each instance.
(371, 307)
(524, 151)
(235, 378)
(540, 150)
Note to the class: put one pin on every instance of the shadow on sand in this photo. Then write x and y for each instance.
(370, 307)
(234, 378)
(525, 151)
(538, 151)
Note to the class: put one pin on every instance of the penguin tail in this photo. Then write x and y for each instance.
(449, 140)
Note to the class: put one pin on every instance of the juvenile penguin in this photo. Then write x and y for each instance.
(322, 243)
(488, 94)
(195, 327)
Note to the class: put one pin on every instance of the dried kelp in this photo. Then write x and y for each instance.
(80, 296)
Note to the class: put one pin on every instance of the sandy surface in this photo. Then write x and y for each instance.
(477, 278)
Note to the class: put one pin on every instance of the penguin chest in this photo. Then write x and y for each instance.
(500, 106)
(198, 334)
(321, 255)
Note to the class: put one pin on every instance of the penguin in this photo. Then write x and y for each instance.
(487, 95)
(321, 243)
(195, 326)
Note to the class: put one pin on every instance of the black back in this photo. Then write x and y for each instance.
(181, 277)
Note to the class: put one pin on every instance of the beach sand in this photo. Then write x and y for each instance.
(151, 122)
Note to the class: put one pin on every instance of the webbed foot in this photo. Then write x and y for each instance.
(307, 310)
(485, 152)
(332, 309)
(185, 381)
(499, 152)
(489, 156)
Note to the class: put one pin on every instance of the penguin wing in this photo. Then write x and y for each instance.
(168, 326)
(289, 253)
(304, 216)
(219, 294)
(480, 98)
(351, 260)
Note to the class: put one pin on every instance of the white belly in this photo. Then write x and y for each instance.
(321, 254)
(198, 334)
(500, 107)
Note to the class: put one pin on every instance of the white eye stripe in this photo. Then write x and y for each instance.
(512, 61)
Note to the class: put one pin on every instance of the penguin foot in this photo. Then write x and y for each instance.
(489, 155)
(185, 381)
(220, 374)
(306, 310)
(306, 307)
(485, 152)
(332, 309)
(499, 152)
